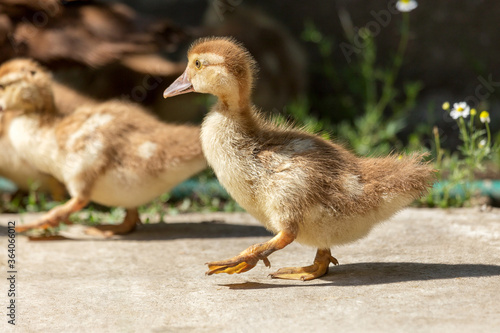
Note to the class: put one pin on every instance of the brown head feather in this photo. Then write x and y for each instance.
(29, 84)
(237, 59)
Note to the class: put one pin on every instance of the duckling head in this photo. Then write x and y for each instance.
(25, 86)
(219, 66)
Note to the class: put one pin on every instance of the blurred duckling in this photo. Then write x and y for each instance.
(112, 153)
(298, 185)
(19, 171)
(24, 175)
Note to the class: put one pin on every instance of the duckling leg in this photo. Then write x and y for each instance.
(128, 225)
(247, 259)
(57, 190)
(56, 215)
(319, 268)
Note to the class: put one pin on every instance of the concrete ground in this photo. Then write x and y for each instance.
(426, 270)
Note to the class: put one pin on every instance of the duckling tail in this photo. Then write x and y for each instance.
(395, 174)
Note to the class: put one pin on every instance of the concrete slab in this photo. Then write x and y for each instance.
(426, 270)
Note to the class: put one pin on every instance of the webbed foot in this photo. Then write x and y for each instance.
(317, 269)
(128, 225)
(247, 259)
(55, 216)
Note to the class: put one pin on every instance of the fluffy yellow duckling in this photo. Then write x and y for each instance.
(19, 171)
(298, 185)
(112, 153)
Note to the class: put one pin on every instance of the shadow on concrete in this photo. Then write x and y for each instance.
(363, 274)
(165, 231)
(162, 231)
(381, 273)
(4, 230)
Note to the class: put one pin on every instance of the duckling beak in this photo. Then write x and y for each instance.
(180, 86)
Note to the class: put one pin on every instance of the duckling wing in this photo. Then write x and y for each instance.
(309, 171)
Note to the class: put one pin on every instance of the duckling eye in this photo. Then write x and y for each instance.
(2, 87)
(197, 64)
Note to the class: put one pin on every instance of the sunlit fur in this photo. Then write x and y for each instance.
(288, 179)
(98, 150)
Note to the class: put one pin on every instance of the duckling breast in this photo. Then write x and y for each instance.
(231, 154)
(40, 147)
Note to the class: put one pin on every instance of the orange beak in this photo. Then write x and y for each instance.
(180, 86)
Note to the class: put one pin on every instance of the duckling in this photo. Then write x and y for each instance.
(19, 171)
(300, 186)
(14, 168)
(112, 153)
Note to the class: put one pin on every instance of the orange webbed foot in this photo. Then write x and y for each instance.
(44, 223)
(247, 259)
(317, 269)
(238, 264)
(55, 216)
(127, 226)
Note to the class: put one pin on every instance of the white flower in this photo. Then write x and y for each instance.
(460, 110)
(482, 143)
(406, 5)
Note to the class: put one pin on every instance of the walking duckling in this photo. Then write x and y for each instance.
(300, 186)
(12, 166)
(112, 153)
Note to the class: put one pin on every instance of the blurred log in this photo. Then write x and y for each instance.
(82, 32)
(102, 50)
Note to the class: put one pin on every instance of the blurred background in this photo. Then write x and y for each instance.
(358, 71)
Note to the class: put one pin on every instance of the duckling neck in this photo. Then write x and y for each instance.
(238, 110)
(45, 115)
(49, 108)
